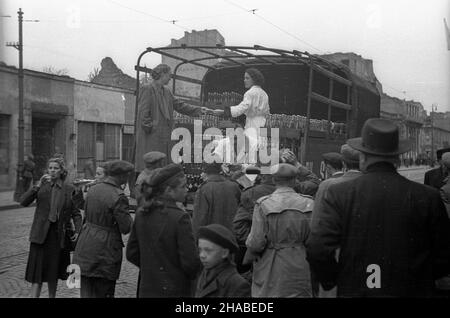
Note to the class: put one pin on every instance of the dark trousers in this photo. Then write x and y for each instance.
(96, 287)
(26, 183)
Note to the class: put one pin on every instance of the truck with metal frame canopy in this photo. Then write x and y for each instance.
(317, 104)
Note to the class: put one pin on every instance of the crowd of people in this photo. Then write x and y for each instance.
(362, 230)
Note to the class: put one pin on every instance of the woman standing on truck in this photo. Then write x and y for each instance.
(255, 106)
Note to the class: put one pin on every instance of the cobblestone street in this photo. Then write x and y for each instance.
(15, 226)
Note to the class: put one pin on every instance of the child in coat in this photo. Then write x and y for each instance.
(219, 277)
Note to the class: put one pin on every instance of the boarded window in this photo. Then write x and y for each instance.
(97, 140)
(127, 147)
(112, 141)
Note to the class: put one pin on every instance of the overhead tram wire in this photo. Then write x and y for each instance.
(149, 15)
(253, 11)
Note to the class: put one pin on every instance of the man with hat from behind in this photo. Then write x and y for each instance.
(280, 227)
(99, 248)
(219, 278)
(152, 161)
(307, 182)
(216, 200)
(435, 177)
(242, 222)
(443, 285)
(393, 233)
(350, 162)
(445, 189)
(333, 165)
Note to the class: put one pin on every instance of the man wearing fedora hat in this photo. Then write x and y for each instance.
(435, 177)
(393, 233)
(350, 162)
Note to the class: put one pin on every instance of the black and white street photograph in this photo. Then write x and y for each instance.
(225, 155)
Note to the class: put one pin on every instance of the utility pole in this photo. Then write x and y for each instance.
(19, 46)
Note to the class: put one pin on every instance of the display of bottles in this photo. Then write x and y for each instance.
(272, 120)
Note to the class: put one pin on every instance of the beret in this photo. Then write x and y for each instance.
(440, 152)
(165, 173)
(220, 235)
(284, 170)
(153, 156)
(446, 159)
(117, 167)
(333, 158)
(349, 154)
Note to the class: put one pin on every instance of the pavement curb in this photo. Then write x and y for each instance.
(15, 206)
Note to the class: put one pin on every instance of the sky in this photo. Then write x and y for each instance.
(405, 38)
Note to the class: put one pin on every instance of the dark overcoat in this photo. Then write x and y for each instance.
(99, 248)
(162, 245)
(242, 222)
(435, 178)
(226, 282)
(216, 202)
(385, 225)
(67, 211)
(155, 122)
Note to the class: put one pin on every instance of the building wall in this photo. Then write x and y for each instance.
(96, 105)
(63, 101)
(199, 38)
(8, 108)
(409, 116)
(45, 96)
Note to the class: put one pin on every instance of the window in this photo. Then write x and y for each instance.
(4, 144)
(97, 140)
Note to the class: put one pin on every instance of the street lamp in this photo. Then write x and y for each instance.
(19, 46)
(433, 109)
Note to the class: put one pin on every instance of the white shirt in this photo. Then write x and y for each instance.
(255, 106)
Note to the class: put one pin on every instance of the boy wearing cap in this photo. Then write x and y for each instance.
(219, 278)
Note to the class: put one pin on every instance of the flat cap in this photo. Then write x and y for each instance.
(223, 124)
(333, 158)
(165, 173)
(153, 156)
(284, 170)
(214, 167)
(349, 155)
(220, 235)
(253, 170)
(440, 152)
(446, 160)
(118, 167)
